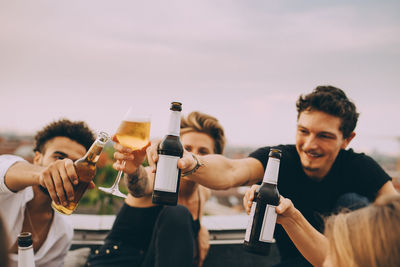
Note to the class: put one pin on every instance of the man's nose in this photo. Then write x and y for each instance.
(310, 143)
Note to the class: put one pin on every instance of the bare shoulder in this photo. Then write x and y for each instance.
(387, 189)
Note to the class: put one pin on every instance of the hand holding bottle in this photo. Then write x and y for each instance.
(285, 209)
(249, 197)
(58, 178)
(262, 219)
(85, 169)
(186, 163)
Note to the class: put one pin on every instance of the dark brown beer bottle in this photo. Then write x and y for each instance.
(260, 230)
(86, 170)
(170, 150)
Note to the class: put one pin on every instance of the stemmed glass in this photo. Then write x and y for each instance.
(133, 132)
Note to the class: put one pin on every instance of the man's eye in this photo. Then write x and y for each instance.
(189, 149)
(59, 157)
(204, 152)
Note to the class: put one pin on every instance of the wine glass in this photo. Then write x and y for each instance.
(133, 132)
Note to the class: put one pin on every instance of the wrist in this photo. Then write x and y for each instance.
(292, 219)
(137, 182)
(197, 165)
(37, 175)
(136, 175)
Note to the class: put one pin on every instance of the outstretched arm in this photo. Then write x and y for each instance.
(216, 171)
(57, 177)
(312, 244)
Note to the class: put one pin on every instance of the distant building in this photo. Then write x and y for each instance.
(21, 145)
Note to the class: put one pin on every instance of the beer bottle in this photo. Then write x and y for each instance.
(260, 230)
(85, 169)
(25, 250)
(166, 181)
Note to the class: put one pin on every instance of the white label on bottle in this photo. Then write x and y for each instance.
(167, 173)
(250, 221)
(272, 171)
(26, 257)
(174, 127)
(268, 227)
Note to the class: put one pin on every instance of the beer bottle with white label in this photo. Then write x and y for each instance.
(260, 230)
(170, 150)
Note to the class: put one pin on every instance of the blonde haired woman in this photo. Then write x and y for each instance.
(368, 237)
(145, 234)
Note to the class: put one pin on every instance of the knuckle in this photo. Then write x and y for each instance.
(68, 162)
(54, 197)
(59, 189)
(65, 180)
(60, 196)
(70, 192)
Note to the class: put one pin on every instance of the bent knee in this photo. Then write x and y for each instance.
(176, 216)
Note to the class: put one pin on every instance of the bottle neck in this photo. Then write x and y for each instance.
(271, 173)
(174, 127)
(25, 248)
(26, 257)
(94, 151)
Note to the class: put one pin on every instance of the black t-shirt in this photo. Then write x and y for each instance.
(351, 172)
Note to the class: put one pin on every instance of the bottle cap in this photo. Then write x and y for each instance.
(25, 239)
(274, 152)
(103, 137)
(176, 106)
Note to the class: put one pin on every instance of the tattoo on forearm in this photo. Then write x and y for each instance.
(137, 182)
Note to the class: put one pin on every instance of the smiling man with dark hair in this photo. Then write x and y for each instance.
(317, 173)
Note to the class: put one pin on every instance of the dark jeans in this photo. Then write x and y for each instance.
(173, 239)
(294, 262)
(172, 244)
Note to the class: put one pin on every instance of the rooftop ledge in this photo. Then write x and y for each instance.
(93, 229)
(105, 222)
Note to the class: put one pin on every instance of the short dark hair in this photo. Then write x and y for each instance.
(333, 101)
(77, 131)
(204, 123)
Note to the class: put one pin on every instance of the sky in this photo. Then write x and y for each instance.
(244, 62)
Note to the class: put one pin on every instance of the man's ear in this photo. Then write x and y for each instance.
(348, 140)
(37, 159)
